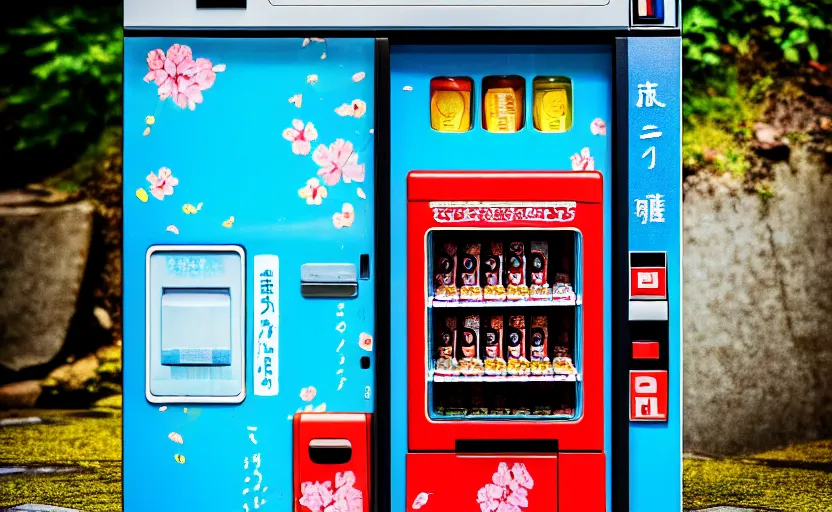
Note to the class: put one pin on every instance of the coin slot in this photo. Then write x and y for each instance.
(552, 106)
(365, 363)
(451, 108)
(364, 267)
(503, 103)
(330, 451)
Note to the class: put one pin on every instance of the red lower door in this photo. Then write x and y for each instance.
(451, 482)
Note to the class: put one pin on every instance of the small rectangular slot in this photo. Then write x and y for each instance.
(330, 451)
(506, 446)
(364, 267)
(220, 4)
(503, 103)
(552, 104)
(648, 259)
(328, 290)
(450, 104)
(365, 363)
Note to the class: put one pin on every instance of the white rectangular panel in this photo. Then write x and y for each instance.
(266, 313)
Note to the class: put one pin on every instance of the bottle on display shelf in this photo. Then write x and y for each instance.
(445, 363)
(470, 363)
(516, 287)
(469, 272)
(492, 266)
(444, 270)
(495, 363)
(540, 363)
(538, 272)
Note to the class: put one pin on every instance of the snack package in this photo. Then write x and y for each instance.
(540, 363)
(516, 362)
(445, 343)
(495, 363)
(516, 288)
(444, 272)
(564, 410)
(538, 272)
(563, 282)
(468, 354)
(563, 366)
(542, 410)
(469, 271)
(492, 266)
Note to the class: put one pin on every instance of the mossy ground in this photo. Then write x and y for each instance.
(793, 479)
(66, 437)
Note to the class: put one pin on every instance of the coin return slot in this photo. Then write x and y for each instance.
(364, 267)
(330, 451)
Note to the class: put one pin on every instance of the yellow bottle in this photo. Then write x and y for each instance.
(501, 110)
(450, 105)
(552, 104)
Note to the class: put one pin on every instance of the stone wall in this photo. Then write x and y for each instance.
(758, 310)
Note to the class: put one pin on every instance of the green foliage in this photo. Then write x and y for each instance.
(789, 30)
(67, 69)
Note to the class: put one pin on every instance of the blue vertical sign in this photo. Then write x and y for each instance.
(655, 196)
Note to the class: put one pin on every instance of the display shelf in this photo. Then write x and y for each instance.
(433, 303)
(504, 378)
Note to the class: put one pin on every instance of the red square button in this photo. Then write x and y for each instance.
(645, 350)
(648, 282)
(648, 395)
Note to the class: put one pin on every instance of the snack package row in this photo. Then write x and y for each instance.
(496, 400)
(498, 271)
(500, 345)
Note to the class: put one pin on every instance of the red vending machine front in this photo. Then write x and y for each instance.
(505, 340)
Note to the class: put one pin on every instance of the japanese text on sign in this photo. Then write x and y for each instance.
(266, 281)
(253, 492)
(193, 266)
(650, 209)
(451, 212)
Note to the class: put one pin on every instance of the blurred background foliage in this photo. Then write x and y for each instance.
(61, 91)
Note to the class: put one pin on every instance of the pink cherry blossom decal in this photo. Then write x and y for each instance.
(296, 100)
(508, 491)
(162, 185)
(420, 501)
(345, 218)
(178, 76)
(583, 162)
(308, 394)
(358, 76)
(337, 161)
(320, 497)
(365, 341)
(312, 79)
(313, 192)
(598, 127)
(355, 109)
(301, 137)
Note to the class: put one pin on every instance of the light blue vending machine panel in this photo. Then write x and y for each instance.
(249, 235)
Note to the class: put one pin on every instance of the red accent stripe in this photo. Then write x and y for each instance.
(645, 350)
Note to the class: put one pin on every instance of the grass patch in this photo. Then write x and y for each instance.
(755, 481)
(93, 444)
(719, 125)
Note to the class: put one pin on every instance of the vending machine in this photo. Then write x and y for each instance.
(429, 259)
